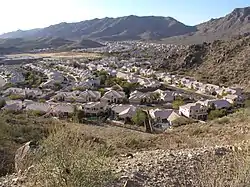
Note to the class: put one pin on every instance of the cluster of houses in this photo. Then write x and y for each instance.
(114, 102)
(10, 75)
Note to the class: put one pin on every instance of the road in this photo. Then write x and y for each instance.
(196, 96)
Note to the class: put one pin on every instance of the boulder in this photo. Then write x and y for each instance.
(21, 156)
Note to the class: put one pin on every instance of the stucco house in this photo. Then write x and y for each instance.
(124, 111)
(217, 103)
(163, 115)
(194, 110)
(94, 108)
(41, 107)
(138, 97)
(113, 96)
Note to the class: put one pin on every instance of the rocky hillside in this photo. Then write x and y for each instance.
(122, 28)
(12, 45)
(133, 27)
(210, 155)
(220, 62)
(235, 23)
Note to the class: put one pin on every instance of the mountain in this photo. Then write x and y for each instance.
(11, 45)
(122, 28)
(233, 24)
(164, 29)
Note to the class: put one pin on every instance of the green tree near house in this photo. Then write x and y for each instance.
(213, 114)
(139, 118)
(102, 91)
(78, 115)
(155, 96)
(177, 103)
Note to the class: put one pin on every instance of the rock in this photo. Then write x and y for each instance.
(129, 155)
(131, 183)
(21, 162)
(220, 151)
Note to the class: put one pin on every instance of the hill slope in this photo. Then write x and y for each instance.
(12, 45)
(147, 27)
(122, 28)
(219, 62)
(235, 23)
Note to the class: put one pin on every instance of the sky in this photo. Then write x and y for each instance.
(28, 14)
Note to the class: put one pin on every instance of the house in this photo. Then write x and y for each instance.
(138, 97)
(41, 107)
(94, 108)
(62, 109)
(88, 96)
(122, 75)
(234, 99)
(210, 89)
(93, 82)
(163, 115)
(217, 103)
(78, 96)
(26, 93)
(113, 96)
(194, 110)
(165, 96)
(124, 111)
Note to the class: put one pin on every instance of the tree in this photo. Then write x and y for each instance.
(213, 114)
(58, 86)
(102, 91)
(78, 115)
(177, 103)
(139, 118)
(155, 96)
(2, 103)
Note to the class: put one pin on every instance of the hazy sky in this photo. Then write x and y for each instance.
(27, 14)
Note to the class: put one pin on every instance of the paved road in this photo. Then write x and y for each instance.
(191, 93)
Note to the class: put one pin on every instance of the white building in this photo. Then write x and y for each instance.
(194, 110)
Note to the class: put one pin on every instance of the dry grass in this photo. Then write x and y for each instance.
(60, 55)
(69, 158)
(78, 155)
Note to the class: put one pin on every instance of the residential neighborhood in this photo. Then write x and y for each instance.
(114, 89)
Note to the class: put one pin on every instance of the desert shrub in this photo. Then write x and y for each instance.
(69, 158)
(247, 103)
(177, 103)
(223, 120)
(213, 114)
(15, 97)
(16, 129)
(139, 118)
(182, 121)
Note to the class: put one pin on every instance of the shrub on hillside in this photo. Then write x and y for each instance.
(213, 114)
(70, 158)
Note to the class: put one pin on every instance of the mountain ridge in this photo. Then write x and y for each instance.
(158, 28)
(121, 28)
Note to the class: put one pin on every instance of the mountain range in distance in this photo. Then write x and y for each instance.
(150, 28)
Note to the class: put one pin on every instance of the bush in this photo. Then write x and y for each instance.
(69, 158)
(223, 120)
(177, 103)
(16, 129)
(182, 121)
(247, 103)
(15, 97)
(139, 118)
(213, 114)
